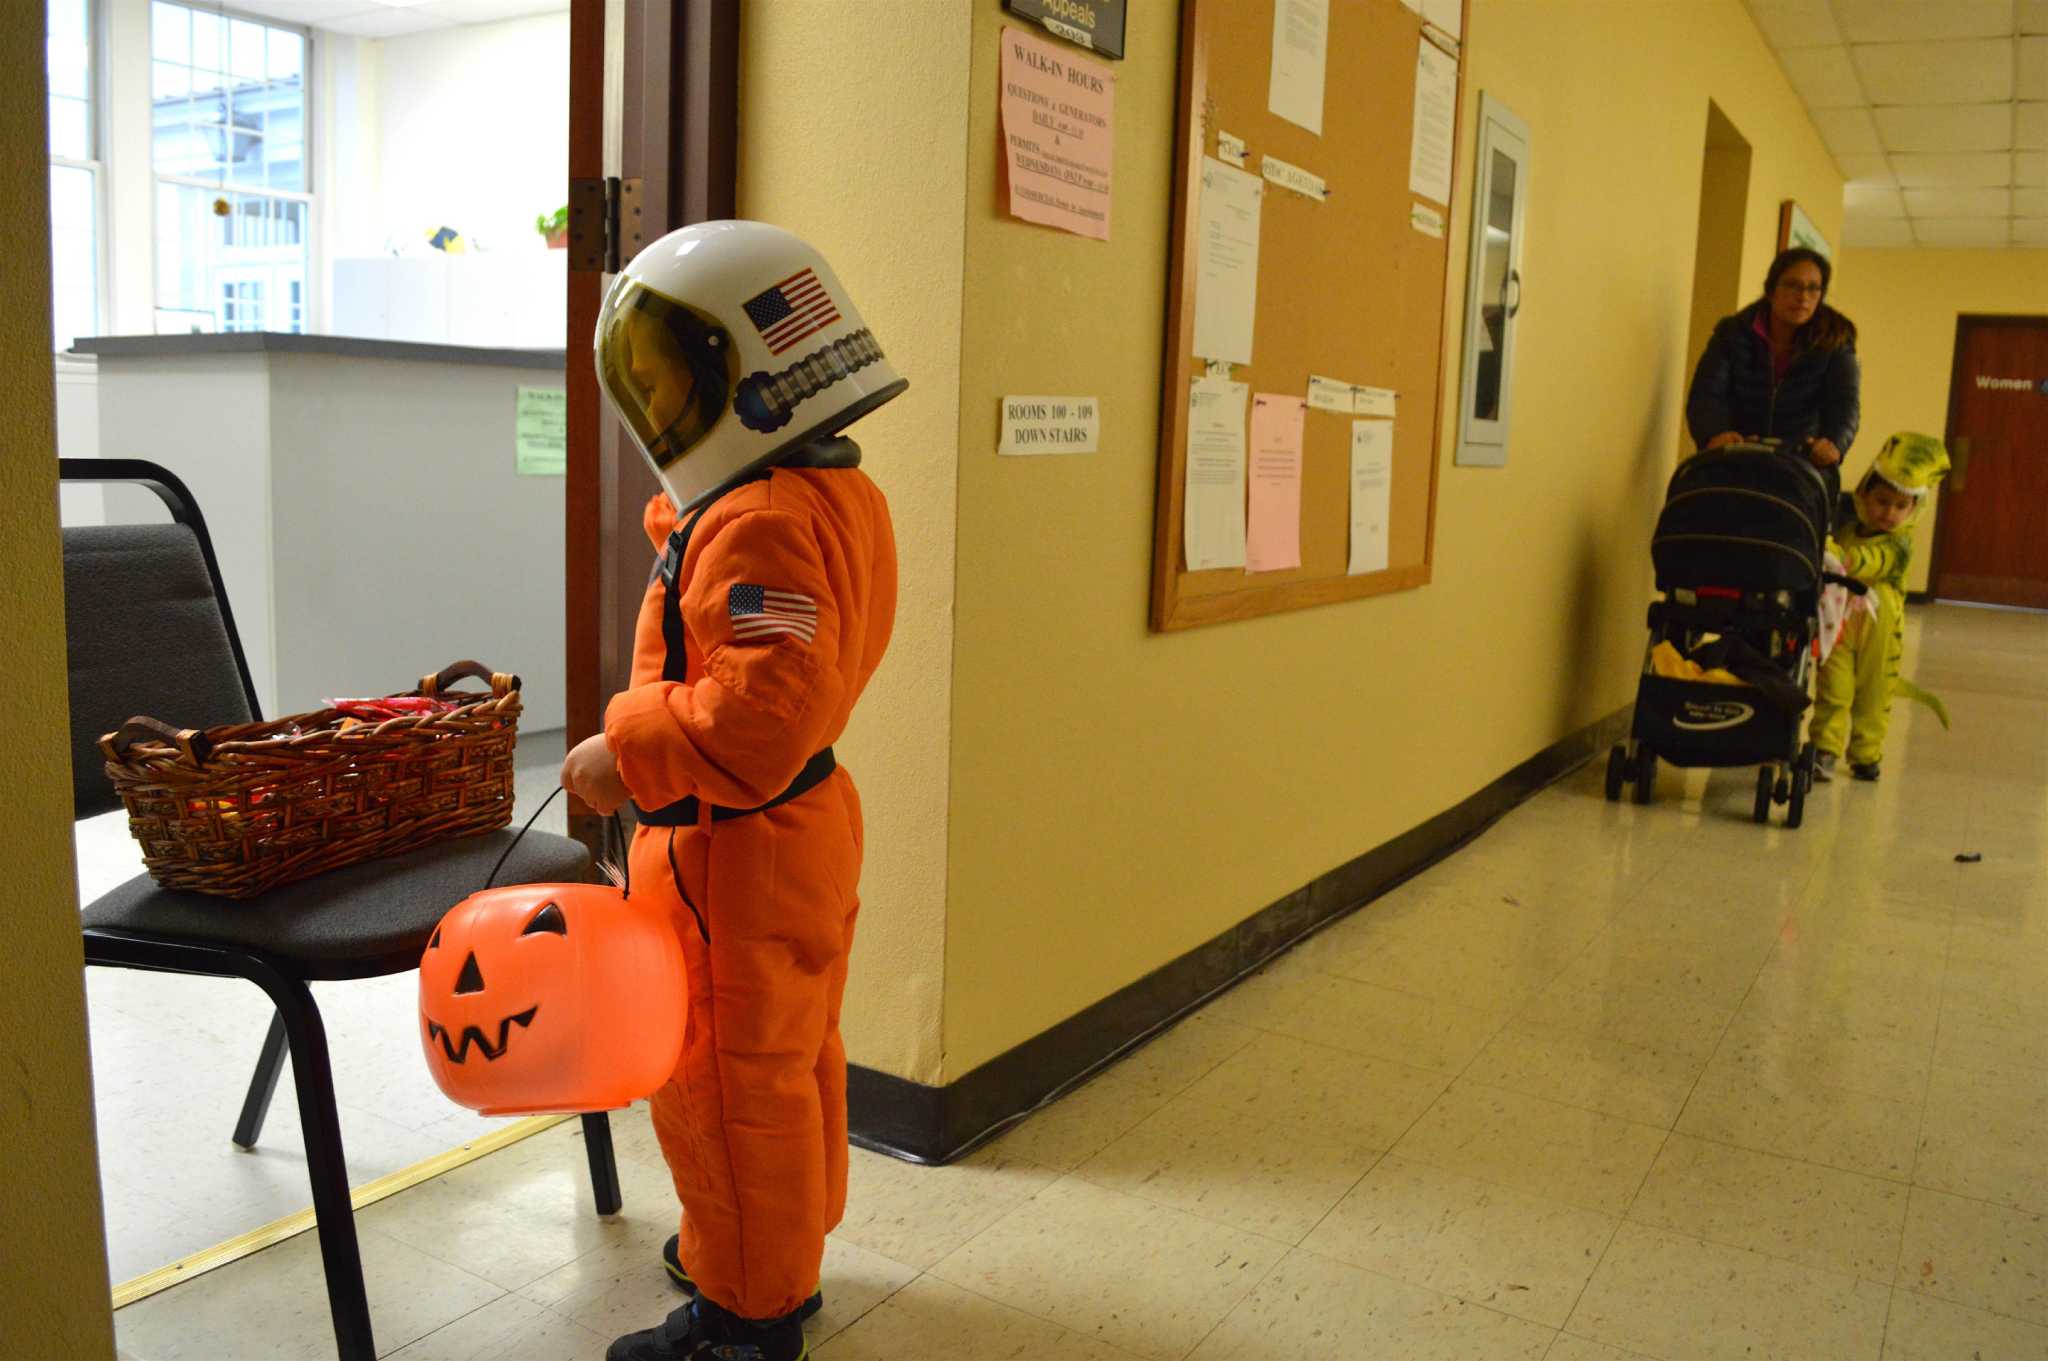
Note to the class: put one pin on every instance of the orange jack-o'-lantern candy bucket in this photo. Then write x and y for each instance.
(540, 998)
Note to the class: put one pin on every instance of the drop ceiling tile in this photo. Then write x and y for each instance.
(1959, 202)
(1823, 77)
(1795, 23)
(491, 11)
(2033, 68)
(388, 23)
(1872, 200)
(1978, 71)
(2030, 203)
(1877, 231)
(1848, 132)
(2030, 231)
(1976, 170)
(308, 13)
(1963, 231)
(1865, 169)
(2030, 127)
(1905, 21)
(2030, 168)
(1946, 127)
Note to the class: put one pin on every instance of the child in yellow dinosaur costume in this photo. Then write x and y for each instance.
(1873, 536)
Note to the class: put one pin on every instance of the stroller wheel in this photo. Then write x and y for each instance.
(1802, 783)
(1646, 774)
(1783, 792)
(1762, 812)
(1617, 771)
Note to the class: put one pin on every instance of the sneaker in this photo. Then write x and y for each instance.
(1869, 772)
(701, 1331)
(671, 1259)
(1823, 767)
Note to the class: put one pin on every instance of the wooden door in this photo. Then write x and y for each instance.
(1991, 534)
(673, 105)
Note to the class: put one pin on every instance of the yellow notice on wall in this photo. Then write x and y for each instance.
(540, 432)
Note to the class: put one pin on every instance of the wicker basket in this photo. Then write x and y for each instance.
(236, 810)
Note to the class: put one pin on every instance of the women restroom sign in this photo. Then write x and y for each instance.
(1050, 425)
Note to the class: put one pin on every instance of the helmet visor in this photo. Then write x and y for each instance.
(668, 368)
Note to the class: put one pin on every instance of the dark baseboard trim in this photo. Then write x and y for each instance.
(923, 1124)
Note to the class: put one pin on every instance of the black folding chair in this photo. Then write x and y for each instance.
(150, 632)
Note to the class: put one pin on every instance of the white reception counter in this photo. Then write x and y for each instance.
(364, 499)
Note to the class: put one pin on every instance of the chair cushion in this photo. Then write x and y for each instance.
(366, 919)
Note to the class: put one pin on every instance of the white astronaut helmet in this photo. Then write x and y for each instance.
(727, 345)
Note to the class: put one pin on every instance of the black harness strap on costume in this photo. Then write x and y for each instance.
(685, 812)
(675, 667)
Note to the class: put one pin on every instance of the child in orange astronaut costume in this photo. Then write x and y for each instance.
(733, 355)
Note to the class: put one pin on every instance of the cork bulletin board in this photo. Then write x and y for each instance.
(1350, 287)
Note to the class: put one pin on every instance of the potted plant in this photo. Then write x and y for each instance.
(554, 227)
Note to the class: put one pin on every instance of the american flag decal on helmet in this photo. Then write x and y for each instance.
(797, 307)
(765, 612)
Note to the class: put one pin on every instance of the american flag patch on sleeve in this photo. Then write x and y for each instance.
(765, 612)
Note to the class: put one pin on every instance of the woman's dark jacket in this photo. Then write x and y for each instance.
(1735, 388)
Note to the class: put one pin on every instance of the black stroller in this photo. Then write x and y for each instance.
(1739, 553)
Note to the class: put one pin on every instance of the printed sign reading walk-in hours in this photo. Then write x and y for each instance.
(1056, 124)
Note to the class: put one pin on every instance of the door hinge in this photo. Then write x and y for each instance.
(605, 225)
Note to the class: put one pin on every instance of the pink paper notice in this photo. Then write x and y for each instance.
(1273, 528)
(1056, 125)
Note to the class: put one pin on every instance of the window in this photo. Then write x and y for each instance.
(1494, 286)
(74, 174)
(229, 148)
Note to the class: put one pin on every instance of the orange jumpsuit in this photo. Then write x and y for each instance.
(788, 594)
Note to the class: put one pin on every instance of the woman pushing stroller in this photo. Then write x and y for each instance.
(1783, 368)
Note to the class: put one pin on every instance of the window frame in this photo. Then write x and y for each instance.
(96, 21)
(307, 196)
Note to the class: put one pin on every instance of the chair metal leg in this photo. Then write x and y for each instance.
(333, 1210)
(313, 1076)
(604, 1165)
(262, 1085)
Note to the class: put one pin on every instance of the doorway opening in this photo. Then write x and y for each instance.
(1717, 253)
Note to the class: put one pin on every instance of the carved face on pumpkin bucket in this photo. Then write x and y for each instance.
(551, 997)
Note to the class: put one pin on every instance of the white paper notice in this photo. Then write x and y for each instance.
(1301, 43)
(1448, 15)
(1426, 219)
(1230, 148)
(1436, 94)
(1227, 271)
(1327, 394)
(1373, 401)
(1214, 516)
(1293, 177)
(1050, 425)
(1372, 481)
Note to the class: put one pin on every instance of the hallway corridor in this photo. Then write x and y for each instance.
(1610, 1082)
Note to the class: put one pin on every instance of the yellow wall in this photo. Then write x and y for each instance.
(1905, 304)
(1118, 797)
(853, 134)
(53, 1270)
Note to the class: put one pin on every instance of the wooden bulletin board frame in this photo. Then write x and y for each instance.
(1348, 289)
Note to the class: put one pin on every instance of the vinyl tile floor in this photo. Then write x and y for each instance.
(1609, 1082)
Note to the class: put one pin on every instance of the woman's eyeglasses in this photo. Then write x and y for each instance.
(1794, 286)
